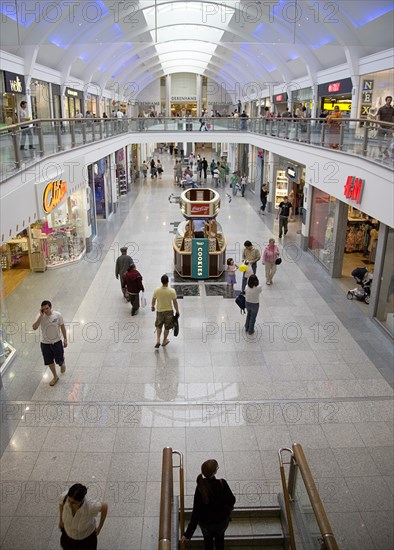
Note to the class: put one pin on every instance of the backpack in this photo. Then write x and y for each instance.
(241, 303)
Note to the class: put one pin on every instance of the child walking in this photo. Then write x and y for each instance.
(231, 269)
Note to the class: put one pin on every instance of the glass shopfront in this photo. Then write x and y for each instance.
(321, 230)
(332, 94)
(12, 93)
(302, 97)
(73, 103)
(40, 99)
(56, 101)
(58, 239)
(373, 90)
(290, 181)
(385, 309)
(7, 351)
(280, 102)
(100, 186)
(91, 104)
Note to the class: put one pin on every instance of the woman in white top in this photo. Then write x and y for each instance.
(252, 297)
(77, 520)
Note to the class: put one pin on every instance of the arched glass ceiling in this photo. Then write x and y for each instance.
(279, 40)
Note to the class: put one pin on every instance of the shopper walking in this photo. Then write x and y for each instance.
(133, 285)
(144, 169)
(244, 183)
(205, 168)
(263, 197)
(283, 214)
(77, 520)
(164, 301)
(25, 130)
(252, 299)
(334, 122)
(270, 255)
(52, 329)
(250, 256)
(212, 506)
(122, 265)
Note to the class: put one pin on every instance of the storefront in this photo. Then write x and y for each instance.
(384, 311)
(290, 181)
(15, 261)
(132, 156)
(101, 203)
(56, 101)
(12, 93)
(92, 104)
(184, 105)
(374, 88)
(7, 351)
(332, 94)
(358, 231)
(106, 106)
(121, 173)
(40, 99)
(73, 102)
(58, 237)
(302, 97)
(280, 103)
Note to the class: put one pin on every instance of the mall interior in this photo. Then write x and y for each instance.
(109, 87)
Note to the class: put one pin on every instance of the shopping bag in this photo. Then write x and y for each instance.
(143, 300)
(241, 302)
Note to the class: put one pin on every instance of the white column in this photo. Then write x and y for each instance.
(355, 98)
(168, 95)
(315, 102)
(271, 182)
(199, 94)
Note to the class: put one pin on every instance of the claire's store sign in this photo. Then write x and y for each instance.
(200, 258)
(353, 189)
(54, 193)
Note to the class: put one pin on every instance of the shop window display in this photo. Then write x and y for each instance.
(7, 351)
(385, 309)
(58, 239)
(322, 226)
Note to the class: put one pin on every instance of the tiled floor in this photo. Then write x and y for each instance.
(315, 372)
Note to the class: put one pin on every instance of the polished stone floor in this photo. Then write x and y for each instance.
(316, 372)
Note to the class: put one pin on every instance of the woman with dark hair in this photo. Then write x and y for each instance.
(77, 520)
(212, 506)
(252, 298)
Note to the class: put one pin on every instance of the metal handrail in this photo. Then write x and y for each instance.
(167, 495)
(286, 496)
(314, 497)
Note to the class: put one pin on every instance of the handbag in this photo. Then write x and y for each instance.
(241, 302)
(278, 261)
(176, 324)
(143, 300)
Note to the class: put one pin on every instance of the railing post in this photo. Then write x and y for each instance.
(341, 135)
(72, 132)
(101, 129)
(308, 131)
(83, 132)
(41, 140)
(165, 500)
(286, 497)
(365, 139)
(323, 134)
(93, 130)
(15, 143)
(58, 131)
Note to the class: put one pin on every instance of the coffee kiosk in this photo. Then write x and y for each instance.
(199, 244)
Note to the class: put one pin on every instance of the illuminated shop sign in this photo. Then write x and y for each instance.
(291, 172)
(73, 93)
(184, 98)
(54, 193)
(281, 98)
(354, 188)
(334, 87)
(14, 83)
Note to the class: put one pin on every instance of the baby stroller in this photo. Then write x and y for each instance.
(363, 278)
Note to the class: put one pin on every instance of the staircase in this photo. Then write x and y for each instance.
(249, 528)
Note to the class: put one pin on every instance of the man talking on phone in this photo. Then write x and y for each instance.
(52, 328)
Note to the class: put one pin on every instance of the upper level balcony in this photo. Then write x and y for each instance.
(23, 145)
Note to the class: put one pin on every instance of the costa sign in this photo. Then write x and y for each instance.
(54, 193)
(199, 210)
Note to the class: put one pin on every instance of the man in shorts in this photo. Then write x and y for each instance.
(166, 302)
(52, 328)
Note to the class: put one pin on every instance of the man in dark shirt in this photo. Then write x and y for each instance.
(244, 118)
(385, 114)
(122, 265)
(133, 284)
(204, 164)
(283, 213)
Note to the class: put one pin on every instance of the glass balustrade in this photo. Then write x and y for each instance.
(48, 137)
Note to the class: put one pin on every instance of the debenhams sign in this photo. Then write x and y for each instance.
(183, 98)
